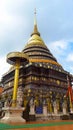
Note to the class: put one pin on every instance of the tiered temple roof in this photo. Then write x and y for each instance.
(38, 52)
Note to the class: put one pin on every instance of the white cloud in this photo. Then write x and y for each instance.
(13, 16)
(58, 46)
(62, 50)
(70, 68)
(3, 66)
(70, 57)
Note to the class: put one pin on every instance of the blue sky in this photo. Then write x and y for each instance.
(55, 23)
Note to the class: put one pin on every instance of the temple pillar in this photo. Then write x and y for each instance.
(32, 110)
(32, 107)
(14, 100)
(45, 112)
(55, 108)
(64, 109)
(64, 106)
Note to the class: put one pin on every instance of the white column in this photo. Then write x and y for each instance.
(32, 110)
(55, 108)
(45, 112)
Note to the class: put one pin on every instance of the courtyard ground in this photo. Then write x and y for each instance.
(44, 125)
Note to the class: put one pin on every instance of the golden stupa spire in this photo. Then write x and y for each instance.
(35, 31)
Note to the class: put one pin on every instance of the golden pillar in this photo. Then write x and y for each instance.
(58, 102)
(51, 107)
(51, 110)
(16, 59)
(16, 77)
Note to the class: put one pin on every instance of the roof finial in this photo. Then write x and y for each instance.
(35, 25)
(35, 11)
(35, 21)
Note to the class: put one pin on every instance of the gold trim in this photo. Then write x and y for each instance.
(44, 60)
